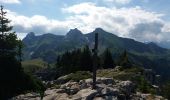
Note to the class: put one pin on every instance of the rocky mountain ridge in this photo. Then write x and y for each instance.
(49, 46)
(56, 44)
(111, 84)
(107, 89)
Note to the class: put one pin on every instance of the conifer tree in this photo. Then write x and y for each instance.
(86, 59)
(13, 80)
(108, 61)
(124, 60)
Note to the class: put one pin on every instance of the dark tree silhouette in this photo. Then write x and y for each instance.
(124, 60)
(86, 59)
(108, 61)
(76, 60)
(13, 80)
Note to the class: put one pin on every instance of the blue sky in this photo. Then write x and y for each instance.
(143, 20)
(52, 8)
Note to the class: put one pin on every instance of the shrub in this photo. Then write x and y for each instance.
(79, 75)
(143, 85)
(166, 90)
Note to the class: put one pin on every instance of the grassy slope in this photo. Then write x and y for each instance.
(31, 66)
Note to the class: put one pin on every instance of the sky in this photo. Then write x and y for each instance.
(142, 20)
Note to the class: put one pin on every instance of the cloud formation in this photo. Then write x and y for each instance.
(118, 1)
(117, 20)
(10, 1)
(132, 22)
(147, 32)
(38, 24)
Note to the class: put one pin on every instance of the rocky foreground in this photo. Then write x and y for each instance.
(107, 89)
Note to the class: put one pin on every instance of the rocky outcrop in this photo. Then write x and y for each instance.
(107, 89)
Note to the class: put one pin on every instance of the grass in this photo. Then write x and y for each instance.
(133, 74)
(79, 75)
(31, 66)
(123, 75)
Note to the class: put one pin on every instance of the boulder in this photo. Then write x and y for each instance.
(56, 96)
(89, 81)
(50, 91)
(70, 87)
(104, 80)
(83, 84)
(126, 87)
(85, 94)
(143, 96)
(61, 80)
(74, 89)
(106, 89)
(28, 96)
(60, 91)
(110, 91)
(99, 98)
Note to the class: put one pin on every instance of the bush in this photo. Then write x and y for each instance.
(32, 66)
(79, 75)
(143, 86)
(166, 90)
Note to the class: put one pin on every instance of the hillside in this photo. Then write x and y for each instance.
(52, 45)
(34, 65)
(48, 46)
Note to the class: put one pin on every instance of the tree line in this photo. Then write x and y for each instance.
(81, 59)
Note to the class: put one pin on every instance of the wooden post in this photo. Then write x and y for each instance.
(95, 62)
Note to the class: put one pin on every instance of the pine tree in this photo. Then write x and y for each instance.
(124, 60)
(86, 59)
(13, 80)
(108, 61)
(8, 39)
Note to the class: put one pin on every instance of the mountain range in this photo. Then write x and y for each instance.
(48, 46)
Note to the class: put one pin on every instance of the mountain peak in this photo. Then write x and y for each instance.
(103, 32)
(30, 35)
(74, 32)
(152, 44)
(98, 29)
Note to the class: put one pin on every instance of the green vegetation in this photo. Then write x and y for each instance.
(76, 60)
(13, 80)
(79, 75)
(143, 85)
(124, 60)
(166, 90)
(133, 74)
(82, 60)
(108, 61)
(32, 66)
(126, 74)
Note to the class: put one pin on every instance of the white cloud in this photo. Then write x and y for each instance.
(134, 22)
(38, 24)
(118, 1)
(148, 32)
(10, 1)
(166, 27)
(120, 21)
